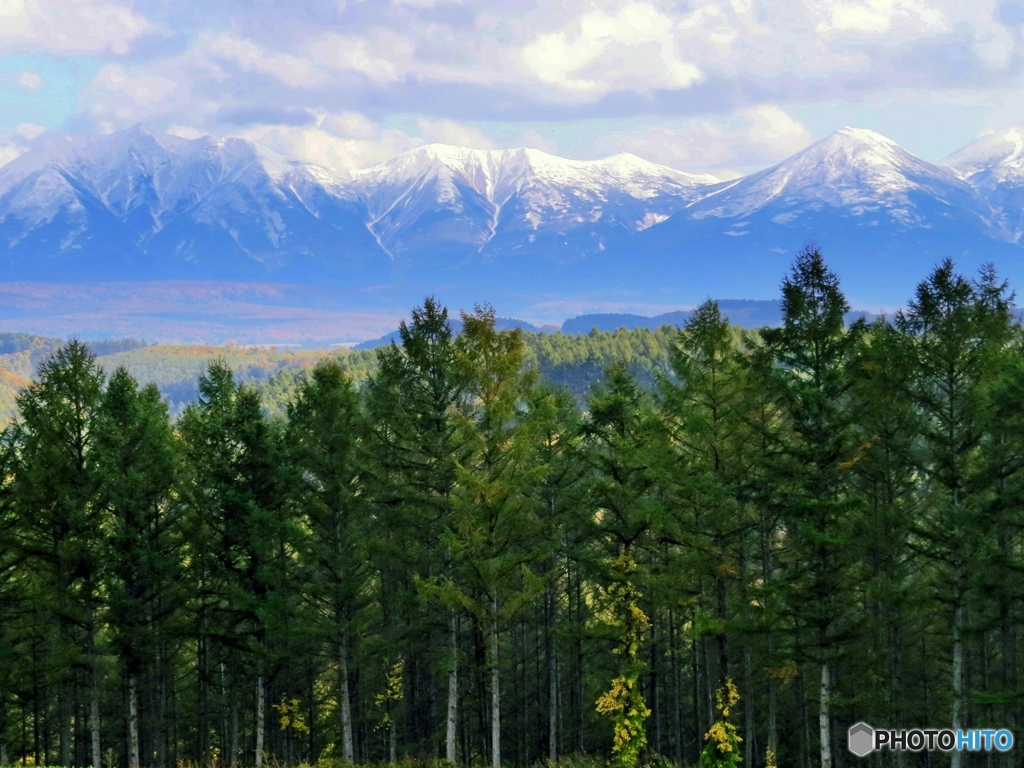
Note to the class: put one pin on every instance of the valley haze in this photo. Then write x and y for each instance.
(143, 233)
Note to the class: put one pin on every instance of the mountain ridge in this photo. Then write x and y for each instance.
(141, 205)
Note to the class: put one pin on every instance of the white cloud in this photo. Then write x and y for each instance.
(452, 132)
(118, 96)
(70, 26)
(879, 15)
(30, 131)
(13, 144)
(143, 88)
(383, 58)
(533, 140)
(756, 136)
(427, 3)
(342, 142)
(251, 57)
(186, 132)
(632, 49)
(9, 152)
(29, 80)
(351, 125)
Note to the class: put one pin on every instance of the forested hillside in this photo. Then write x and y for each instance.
(575, 361)
(459, 560)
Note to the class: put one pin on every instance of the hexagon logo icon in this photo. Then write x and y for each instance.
(860, 739)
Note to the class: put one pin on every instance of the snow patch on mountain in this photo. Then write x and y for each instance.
(856, 173)
(994, 166)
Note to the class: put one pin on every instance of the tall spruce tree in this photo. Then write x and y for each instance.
(242, 537)
(414, 448)
(886, 428)
(624, 443)
(813, 350)
(133, 459)
(960, 329)
(325, 427)
(58, 531)
(495, 533)
(559, 490)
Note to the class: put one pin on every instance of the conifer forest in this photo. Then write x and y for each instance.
(458, 561)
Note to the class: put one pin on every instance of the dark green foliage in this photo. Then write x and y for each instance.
(434, 550)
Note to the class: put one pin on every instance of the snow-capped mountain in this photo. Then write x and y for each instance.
(854, 174)
(142, 205)
(994, 166)
(874, 208)
(502, 200)
(137, 203)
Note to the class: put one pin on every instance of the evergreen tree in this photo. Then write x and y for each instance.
(325, 428)
(243, 540)
(133, 459)
(414, 448)
(886, 428)
(813, 352)
(623, 450)
(559, 489)
(58, 533)
(495, 532)
(959, 328)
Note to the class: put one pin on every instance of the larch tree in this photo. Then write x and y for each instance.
(325, 427)
(959, 328)
(413, 449)
(134, 461)
(495, 532)
(59, 535)
(812, 351)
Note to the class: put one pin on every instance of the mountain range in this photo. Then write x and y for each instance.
(514, 225)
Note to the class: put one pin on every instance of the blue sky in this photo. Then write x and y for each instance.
(719, 86)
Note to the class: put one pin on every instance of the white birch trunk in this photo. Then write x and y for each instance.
(824, 724)
(261, 716)
(133, 722)
(453, 690)
(348, 751)
(495, 690)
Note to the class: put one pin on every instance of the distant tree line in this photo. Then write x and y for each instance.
(786, 533)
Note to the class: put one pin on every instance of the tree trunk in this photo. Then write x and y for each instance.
(958, 671)
(233, 759)
(552, 649)
(453, 690)
(348, 751)
(65, 721)
(824, 723)
(495, 691)
(261, 715)
(133, 722)
(748, 711)
(392, 742)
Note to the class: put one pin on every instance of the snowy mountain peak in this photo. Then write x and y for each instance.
(1003, 148)
(854, 169)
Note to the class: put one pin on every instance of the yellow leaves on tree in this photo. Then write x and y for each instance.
(723, 742)
(393, 692)
(291, 716)
(623, 702)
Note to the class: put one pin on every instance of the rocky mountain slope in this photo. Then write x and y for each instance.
(138, 205)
